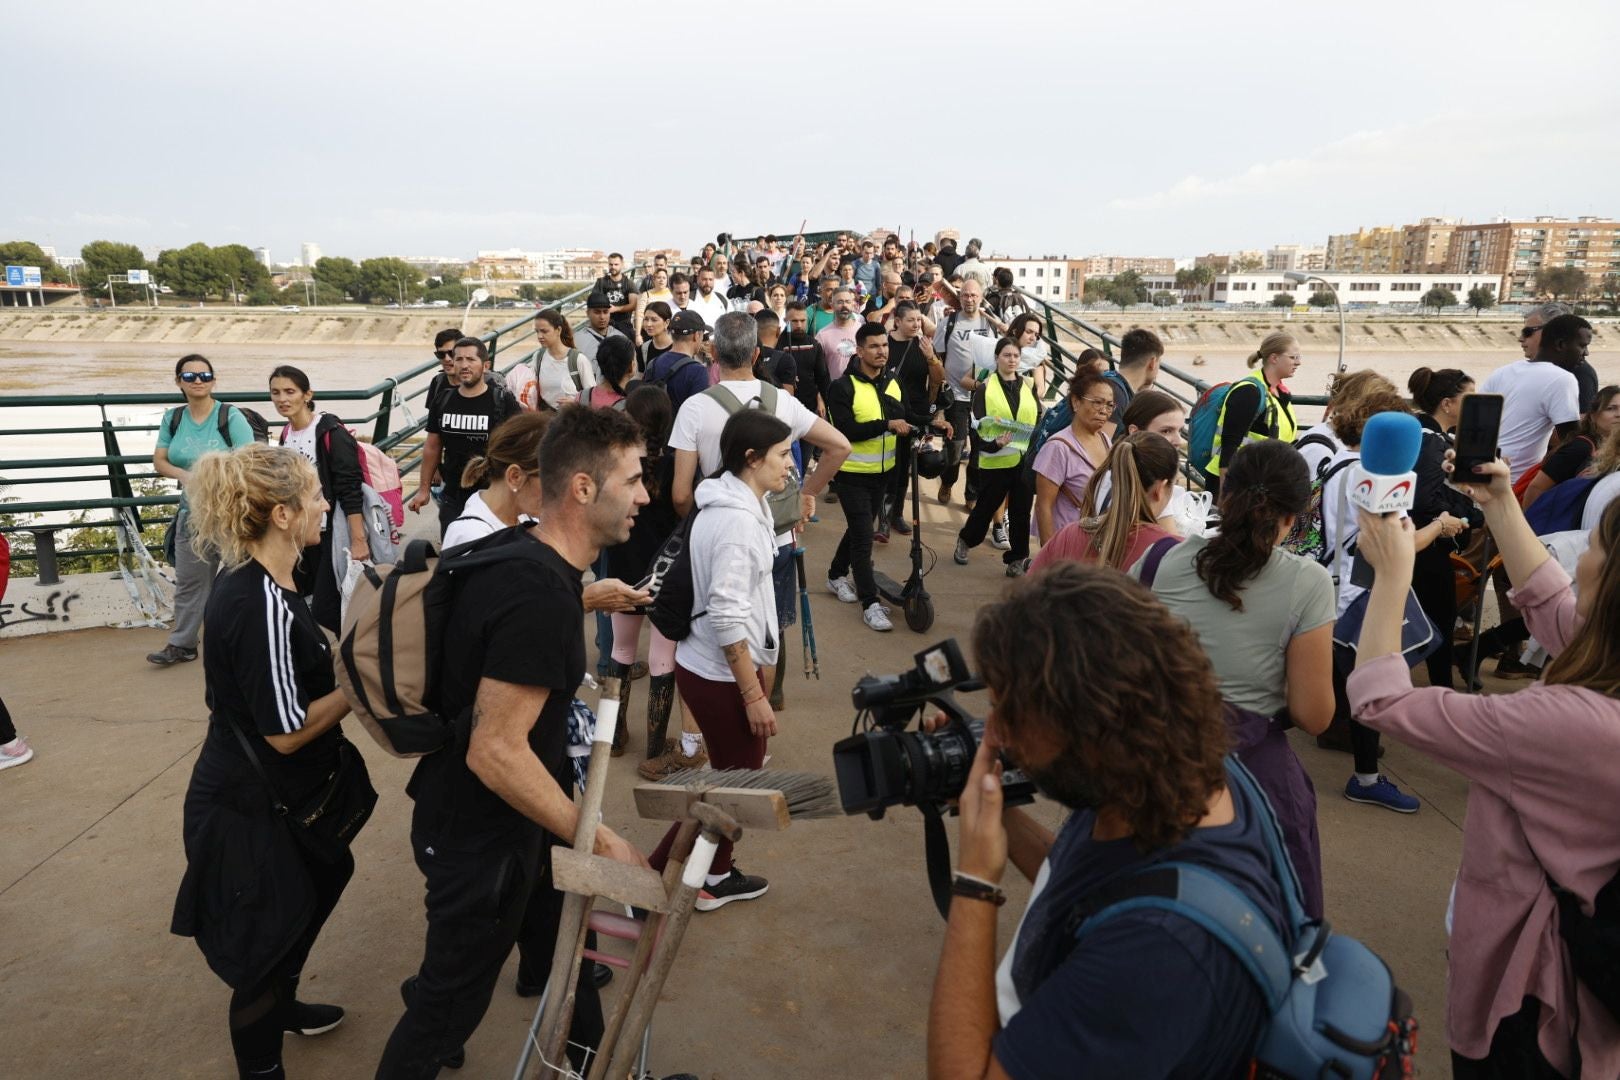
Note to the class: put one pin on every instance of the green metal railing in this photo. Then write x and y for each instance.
(386, 408)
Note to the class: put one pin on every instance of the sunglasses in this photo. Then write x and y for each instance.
(196, 376)
(444, 354)
(1530, 331)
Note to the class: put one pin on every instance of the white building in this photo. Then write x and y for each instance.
(263, 255)
(1355, 290)
(1048, 277)
(309, 253)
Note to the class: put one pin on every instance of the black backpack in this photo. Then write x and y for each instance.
(671, 584)
(663, 380)
(1593, 940)
(260, 426)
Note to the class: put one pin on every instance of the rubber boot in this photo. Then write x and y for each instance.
(621, 731)
(660, 699)
(777, 704)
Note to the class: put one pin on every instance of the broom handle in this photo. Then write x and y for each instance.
(678, 854)
(571, 927)
(716, 826)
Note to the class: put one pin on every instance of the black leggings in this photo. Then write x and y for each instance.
(261, 1013)
(1514, 1052)
(994, 486)
(8, 730)
(1363, 739)
(1436, 592)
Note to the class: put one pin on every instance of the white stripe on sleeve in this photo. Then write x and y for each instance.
(278, 624)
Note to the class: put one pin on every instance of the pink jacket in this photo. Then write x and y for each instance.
(1544, 800)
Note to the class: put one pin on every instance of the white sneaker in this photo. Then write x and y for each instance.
(16, 752)
(842, 588)
(877, 617)
(998, 537)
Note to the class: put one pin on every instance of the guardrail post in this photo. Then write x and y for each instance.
(385, 412)
(45, 555)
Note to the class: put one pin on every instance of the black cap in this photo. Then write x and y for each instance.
(687, 322)
(598, 300)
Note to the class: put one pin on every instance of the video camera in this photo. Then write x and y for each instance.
(883, 765)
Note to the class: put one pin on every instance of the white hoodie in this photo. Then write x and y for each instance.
(732, 549)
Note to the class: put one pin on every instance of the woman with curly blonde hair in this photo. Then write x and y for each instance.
(271, 694)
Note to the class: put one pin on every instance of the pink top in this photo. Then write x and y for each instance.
(604, 397)
(1073, 542)
(1062, 461)
(837, 341)
(1543, 800)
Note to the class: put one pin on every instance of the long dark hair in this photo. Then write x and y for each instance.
(1589, 418)
(295, 376)
(1266, 482)
(649, 407)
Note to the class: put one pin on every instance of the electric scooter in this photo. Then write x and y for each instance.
(912, 597)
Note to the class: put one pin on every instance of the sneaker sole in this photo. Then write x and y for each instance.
(1381, 804)
(718, 902)
(10, 762)
(317, 1030)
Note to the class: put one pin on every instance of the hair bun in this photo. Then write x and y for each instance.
(1419, 381)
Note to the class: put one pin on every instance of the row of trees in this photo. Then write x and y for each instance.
(1439, 298)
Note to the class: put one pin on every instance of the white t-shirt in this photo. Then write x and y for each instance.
(556, 382)
(963, 352)
(1537, 397)
(1604, 492)
(701, 419)
(476, 520)
(303, 441)
(711, 309)
(1317, 454)
(1340, 526)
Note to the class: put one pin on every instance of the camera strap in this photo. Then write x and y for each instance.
(937, 848)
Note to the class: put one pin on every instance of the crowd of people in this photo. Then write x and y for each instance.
(729, 402)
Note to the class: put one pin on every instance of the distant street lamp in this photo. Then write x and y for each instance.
(478, 296)
(401, 283)
(1299, 277)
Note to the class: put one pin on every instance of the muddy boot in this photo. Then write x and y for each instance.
(777, 704)
(660, 699)
(621, 731)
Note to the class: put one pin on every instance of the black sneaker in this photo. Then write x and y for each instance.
(900, 525)
(736, 886)
(314, 1019)
(170, 655)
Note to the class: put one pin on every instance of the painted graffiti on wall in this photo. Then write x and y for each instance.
(53, 608)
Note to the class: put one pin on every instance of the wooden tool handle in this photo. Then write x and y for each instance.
(716, 823)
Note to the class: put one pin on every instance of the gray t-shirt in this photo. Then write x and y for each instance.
(1249, 648)
(587, 340)
(959, 353)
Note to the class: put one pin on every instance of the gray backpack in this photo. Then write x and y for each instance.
(785, 506)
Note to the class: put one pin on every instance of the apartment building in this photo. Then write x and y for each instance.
(1050, 277)
(1427, 245)
(1516, 251)
(1379, 250)
(1109, 265)
(1296, 257)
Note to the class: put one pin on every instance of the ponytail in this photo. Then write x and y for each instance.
(1278, 341)
(1266, 482)
(1135, 463)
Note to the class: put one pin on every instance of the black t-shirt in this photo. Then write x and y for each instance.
(1569, 460)
(618, 292)
(651, 352)
(909, 367)
(809, 367)
(776, 366)
(517, 621)
(264, 661)
(463, 425)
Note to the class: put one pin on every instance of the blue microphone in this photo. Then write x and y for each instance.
(1384, 480)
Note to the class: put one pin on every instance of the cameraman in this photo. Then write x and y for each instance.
(1132, 741)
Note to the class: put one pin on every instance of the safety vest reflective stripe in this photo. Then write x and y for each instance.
(1276, 413)
(995, 405)
(871, 455)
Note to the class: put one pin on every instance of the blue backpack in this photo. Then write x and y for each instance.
(1204, 423)
(1560, 508)
(1333, 1009)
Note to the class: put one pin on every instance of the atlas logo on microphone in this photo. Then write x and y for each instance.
(1383, 494)
(1383, 481)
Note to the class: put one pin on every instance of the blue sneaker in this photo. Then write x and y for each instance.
(1383, 793)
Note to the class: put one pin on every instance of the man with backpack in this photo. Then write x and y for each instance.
(492, 804)
(681, 371)
(598, 326)
(696, 442)
(458, 427)
(1139, 354)
(1158, 939)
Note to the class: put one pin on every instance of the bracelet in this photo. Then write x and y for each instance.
(972, 888)
(758, 692)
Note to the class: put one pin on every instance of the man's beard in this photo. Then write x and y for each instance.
(1063, 782)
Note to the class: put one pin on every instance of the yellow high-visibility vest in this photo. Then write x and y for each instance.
(1276, 413)
(995, 405)
(871, 455)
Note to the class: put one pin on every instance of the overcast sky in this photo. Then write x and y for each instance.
(442, 128)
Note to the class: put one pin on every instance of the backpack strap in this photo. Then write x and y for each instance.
(173, 420)
(1154, 556)
(1330, 551)
(573, 368)
(225, 422)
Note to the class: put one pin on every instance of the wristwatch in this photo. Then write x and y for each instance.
(974, 889)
